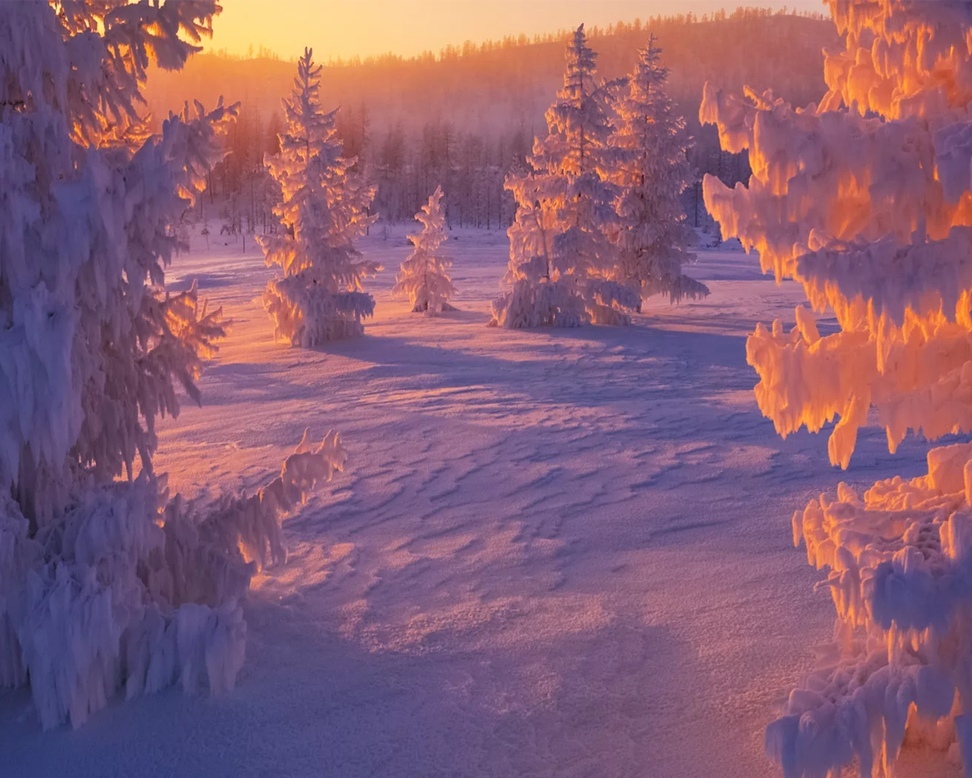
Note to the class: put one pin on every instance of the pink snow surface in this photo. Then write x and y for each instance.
(562, 553)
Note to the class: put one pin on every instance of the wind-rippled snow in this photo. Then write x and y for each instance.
(562, 553)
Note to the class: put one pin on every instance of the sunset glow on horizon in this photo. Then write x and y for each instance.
(342, 29)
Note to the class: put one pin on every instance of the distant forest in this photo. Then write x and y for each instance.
(467, 115)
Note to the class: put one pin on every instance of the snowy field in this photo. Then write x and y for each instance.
(562, 553)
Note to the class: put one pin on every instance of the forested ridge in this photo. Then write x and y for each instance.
(465, 116)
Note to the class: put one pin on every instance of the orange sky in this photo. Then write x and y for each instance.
(345, 28)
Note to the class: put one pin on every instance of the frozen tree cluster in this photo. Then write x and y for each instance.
(424, 275)
(580, 250)
(866, 200)
(106, 586)
(324, 209)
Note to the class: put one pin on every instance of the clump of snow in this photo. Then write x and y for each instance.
(899, 574)
(324, 209)
(864, 199)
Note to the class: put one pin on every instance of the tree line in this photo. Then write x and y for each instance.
(465, 118)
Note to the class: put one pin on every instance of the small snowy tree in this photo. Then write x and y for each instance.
(424, 277)
(104, 585)
(866, 200)
(324, 210)
(652, 173)
(562, 261)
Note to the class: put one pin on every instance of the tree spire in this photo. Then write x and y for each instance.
(324, 210)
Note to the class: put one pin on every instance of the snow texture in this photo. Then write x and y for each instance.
(562, 569)
(864, 200)
(324, 209)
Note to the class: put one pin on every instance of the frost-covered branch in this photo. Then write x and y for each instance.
(103, 585)
(865, 200)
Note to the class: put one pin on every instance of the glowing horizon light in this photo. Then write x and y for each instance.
(343, 29)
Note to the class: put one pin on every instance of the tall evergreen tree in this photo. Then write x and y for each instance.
(324, 209)
(424, 277)
(104, 583)
(652, 173)
(561, 258)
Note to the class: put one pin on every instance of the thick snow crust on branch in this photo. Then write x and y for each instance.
(424, 275)
(91, 346)
(865, 200)
(319, 295)
(901, 581)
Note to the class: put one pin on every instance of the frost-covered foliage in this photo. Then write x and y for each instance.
(866, 200)
(131, 592)
(652, 173)
(91, 346)
(105, 585)
(562, 259)
(323, 211)
(424, 276)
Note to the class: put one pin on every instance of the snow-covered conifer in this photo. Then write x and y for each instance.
(324, 209)
(562, 260)
(103, 585)
(864, 199)
(424, 277)
(652, 173)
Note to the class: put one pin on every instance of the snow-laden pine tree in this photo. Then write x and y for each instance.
(105, 586)
(324, 209)
(866, 200)
(652, 172)
(424, 276)
(562, 260)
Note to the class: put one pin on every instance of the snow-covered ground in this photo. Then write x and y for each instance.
(561, 553)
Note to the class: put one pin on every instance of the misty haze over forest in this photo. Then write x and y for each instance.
(464, 117)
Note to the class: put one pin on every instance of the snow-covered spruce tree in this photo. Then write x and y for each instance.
(103, 585)
(424, 276)
(323, 211)
(562, 260)
(652, 173)
(866, 200)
